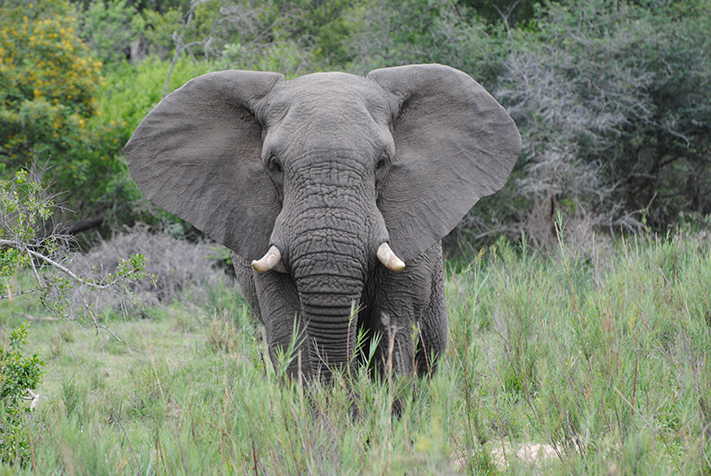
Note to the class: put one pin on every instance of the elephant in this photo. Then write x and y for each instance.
(333, 192)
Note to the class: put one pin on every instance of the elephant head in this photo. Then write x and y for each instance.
(321, 176)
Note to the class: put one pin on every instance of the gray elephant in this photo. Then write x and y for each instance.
(340, 189)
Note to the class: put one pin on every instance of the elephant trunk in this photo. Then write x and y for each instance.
(329, 233)
(331, 327)
(330, 283)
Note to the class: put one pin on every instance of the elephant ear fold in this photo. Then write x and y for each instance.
(197, 155)
(454, 143)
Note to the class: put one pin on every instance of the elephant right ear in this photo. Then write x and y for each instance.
(197, 155)
(454, 143)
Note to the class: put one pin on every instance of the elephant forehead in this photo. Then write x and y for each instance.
(335, 98)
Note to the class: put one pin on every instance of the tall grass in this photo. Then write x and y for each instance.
(601, 360)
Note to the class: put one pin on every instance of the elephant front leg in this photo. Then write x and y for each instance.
(280, 313)
(409, 312)
(396, 351)
(399, 298)
(433, 324)
(245, 278)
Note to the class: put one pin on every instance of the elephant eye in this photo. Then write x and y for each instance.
(382, 161)
(274, 165)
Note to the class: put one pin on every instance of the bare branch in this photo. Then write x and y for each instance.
(181, 46)
(11, 295)
(53, 263)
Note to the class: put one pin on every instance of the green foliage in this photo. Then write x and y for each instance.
(48, 107)
(160, 6)
(132, 90)
(515, 13)
(47, 81)
(324, 24)
(27, 245)
(109, 28)
(18, 376)
(157, 36)
(613, 104)
(22, 209)
(612, 98)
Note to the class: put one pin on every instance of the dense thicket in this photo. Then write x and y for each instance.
(613, 99)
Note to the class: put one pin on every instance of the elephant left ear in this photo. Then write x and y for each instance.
(454, 143)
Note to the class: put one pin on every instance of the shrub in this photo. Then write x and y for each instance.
(613, 105)
(175, 266)
(109, 28)
(18, 376)
(27, 247)
(48, 107)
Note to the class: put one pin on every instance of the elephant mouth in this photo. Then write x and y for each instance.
(329, 304)
(385, 255)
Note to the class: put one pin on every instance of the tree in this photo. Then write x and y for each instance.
(26, 244)
(48, 106)
(19, 377)
(514, 13)
(614, 102)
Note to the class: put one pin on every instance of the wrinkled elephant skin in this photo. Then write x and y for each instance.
(333, 192)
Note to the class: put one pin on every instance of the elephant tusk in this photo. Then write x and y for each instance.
(268, 261)
(388, 257)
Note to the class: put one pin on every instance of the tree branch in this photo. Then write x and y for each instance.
(53, 263)
(180, 45)
(86, 225)
(7, 296)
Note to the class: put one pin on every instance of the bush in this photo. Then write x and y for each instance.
(18, 376)
(27, 247)
(110, 28)
(613, 104)
(48, 107)
(174, 264)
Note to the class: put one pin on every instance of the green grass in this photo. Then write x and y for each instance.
(603, 358)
